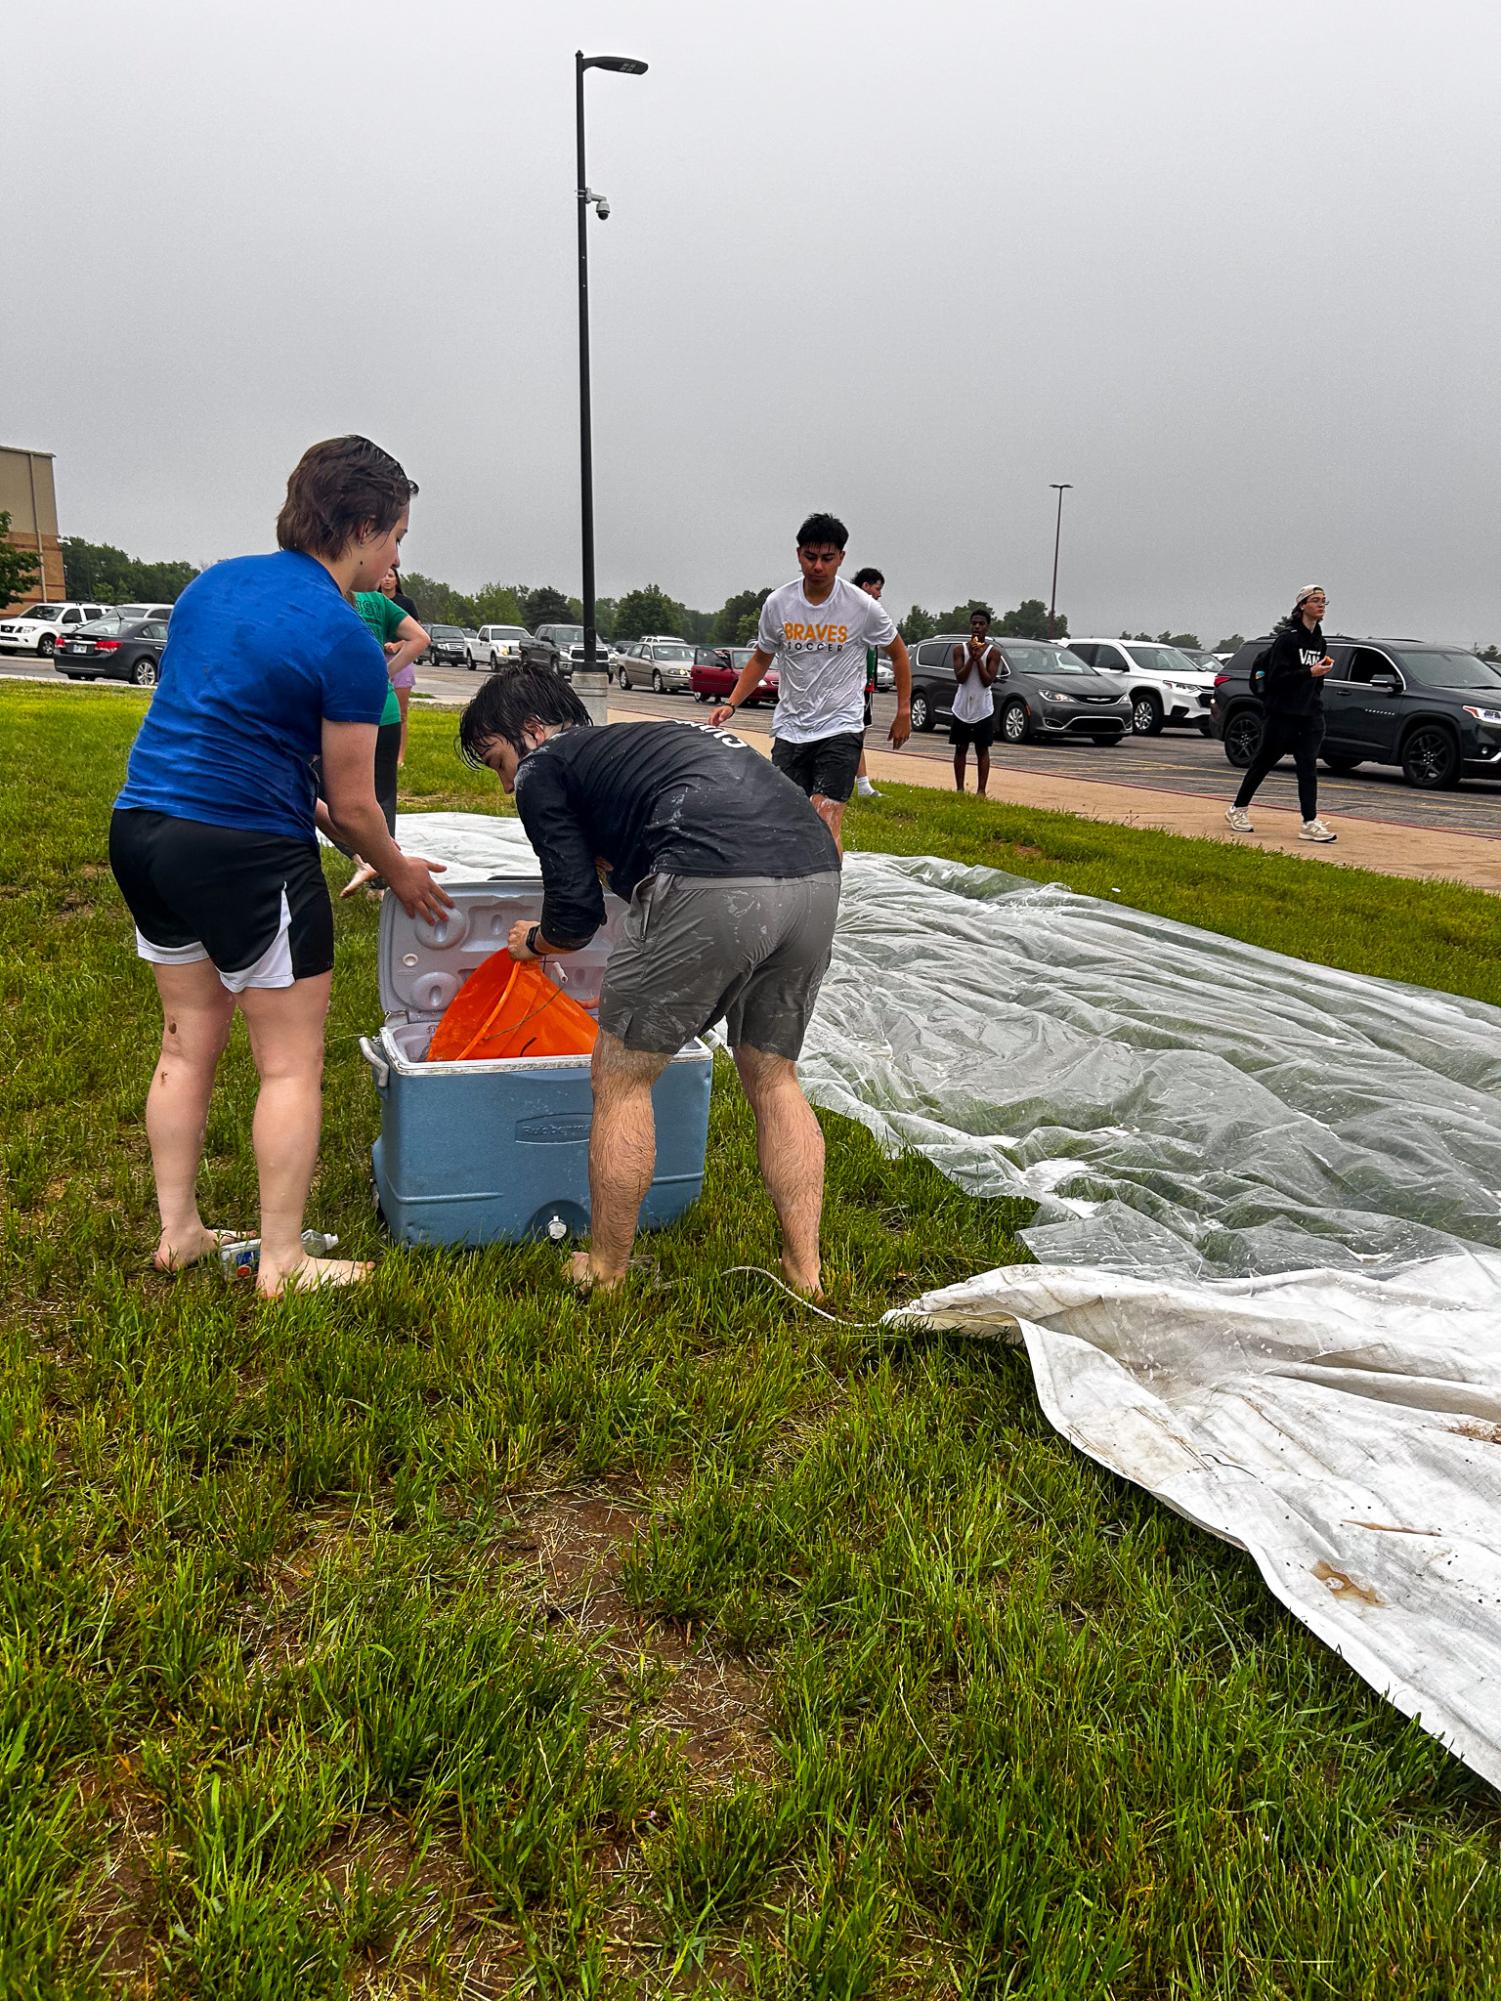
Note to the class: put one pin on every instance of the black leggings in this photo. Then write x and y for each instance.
(1301, 735)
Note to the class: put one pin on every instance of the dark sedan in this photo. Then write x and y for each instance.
(1041, 691)
(114, 649)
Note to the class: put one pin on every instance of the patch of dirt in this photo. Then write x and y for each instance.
(428, 1887)
(714, 1705)
(113, 1923)
(271, 1634)
(1484, 1434)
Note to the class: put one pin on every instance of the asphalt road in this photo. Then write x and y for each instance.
(1176, 761)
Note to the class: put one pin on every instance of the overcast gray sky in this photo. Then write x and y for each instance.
(1230, 269)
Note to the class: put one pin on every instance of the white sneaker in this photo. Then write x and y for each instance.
(1238, 818)
(1315, 830)
(865, 789)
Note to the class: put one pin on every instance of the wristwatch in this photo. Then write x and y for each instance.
(531, 941)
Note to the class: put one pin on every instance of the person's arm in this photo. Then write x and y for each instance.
(746, 684)
(962, 663)
(411, 640)
(573, 904)
(354, 814)
(901, 666)
(990, 664)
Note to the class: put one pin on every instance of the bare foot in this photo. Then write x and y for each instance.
(188, 1249)
(808, 1283)
(582, 1274)
(362, 875)
(308, 1274)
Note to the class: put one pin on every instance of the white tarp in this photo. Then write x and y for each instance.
(1268, 1222)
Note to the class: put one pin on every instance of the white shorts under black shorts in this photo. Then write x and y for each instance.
(254, 904)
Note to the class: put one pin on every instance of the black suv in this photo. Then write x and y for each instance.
(1433, 710)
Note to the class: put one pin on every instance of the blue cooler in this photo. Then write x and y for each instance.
(497, 1152)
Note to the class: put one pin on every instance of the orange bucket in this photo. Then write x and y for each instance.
(506, 1008)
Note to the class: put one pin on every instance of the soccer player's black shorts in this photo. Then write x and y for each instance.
(980, 734)
(255, 904)
(825, 768)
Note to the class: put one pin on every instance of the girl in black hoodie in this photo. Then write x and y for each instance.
(1294, 701)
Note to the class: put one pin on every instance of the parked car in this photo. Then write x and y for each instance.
(140, 610)
(1433, 711)
(885, 674)
(39, 628)
(716, 669)
(1042, 690)
(494, 646)
(114, 648)
(666, 665)
(1165, 686)
(1202, 657)
(445, 646)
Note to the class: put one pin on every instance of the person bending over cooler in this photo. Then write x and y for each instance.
(817, 631)
(732, 883)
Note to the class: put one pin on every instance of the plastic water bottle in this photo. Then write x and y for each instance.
(242, 1259)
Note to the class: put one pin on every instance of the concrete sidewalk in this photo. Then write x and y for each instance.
(1388, 848)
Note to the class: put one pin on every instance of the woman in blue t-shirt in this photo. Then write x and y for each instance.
(214, 844)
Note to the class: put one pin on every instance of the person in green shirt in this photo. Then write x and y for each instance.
(401, 639)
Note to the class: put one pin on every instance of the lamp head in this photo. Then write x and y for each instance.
(624, 65)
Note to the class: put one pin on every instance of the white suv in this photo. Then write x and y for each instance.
(41, 626)
(1165, 686)
(495, 646)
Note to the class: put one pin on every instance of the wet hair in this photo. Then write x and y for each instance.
(339, 489)
(822, 528)
(510, 700)
(868, 576)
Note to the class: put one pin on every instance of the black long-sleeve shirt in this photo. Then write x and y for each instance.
(1291, 688)
(677, 798)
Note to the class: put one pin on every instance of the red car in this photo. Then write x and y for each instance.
(716, 669)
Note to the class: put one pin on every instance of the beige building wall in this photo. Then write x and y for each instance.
(28, 496)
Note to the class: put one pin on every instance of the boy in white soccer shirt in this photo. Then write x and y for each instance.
(816, 630)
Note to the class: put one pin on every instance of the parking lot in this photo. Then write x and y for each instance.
(1177, 761)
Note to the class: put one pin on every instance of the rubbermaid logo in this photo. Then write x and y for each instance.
(553, 1129)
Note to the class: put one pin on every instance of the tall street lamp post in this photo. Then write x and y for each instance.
(1066, 487)
(590, 685)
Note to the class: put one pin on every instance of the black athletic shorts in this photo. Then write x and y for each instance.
(254, 904)
(980, 734)
(826, 767)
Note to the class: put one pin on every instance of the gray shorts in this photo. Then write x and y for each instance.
(748, 950)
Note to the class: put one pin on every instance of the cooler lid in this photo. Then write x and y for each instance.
(422, 965)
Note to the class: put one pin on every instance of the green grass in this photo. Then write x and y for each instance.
(455, 1638)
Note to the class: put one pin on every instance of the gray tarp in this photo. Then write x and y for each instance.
(1269, 1229)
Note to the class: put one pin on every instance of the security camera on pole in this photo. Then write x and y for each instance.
(589, 681)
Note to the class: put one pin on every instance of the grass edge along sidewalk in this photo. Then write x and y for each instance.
(457, 1638)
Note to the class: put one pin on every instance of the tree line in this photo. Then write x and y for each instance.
(99, 571)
